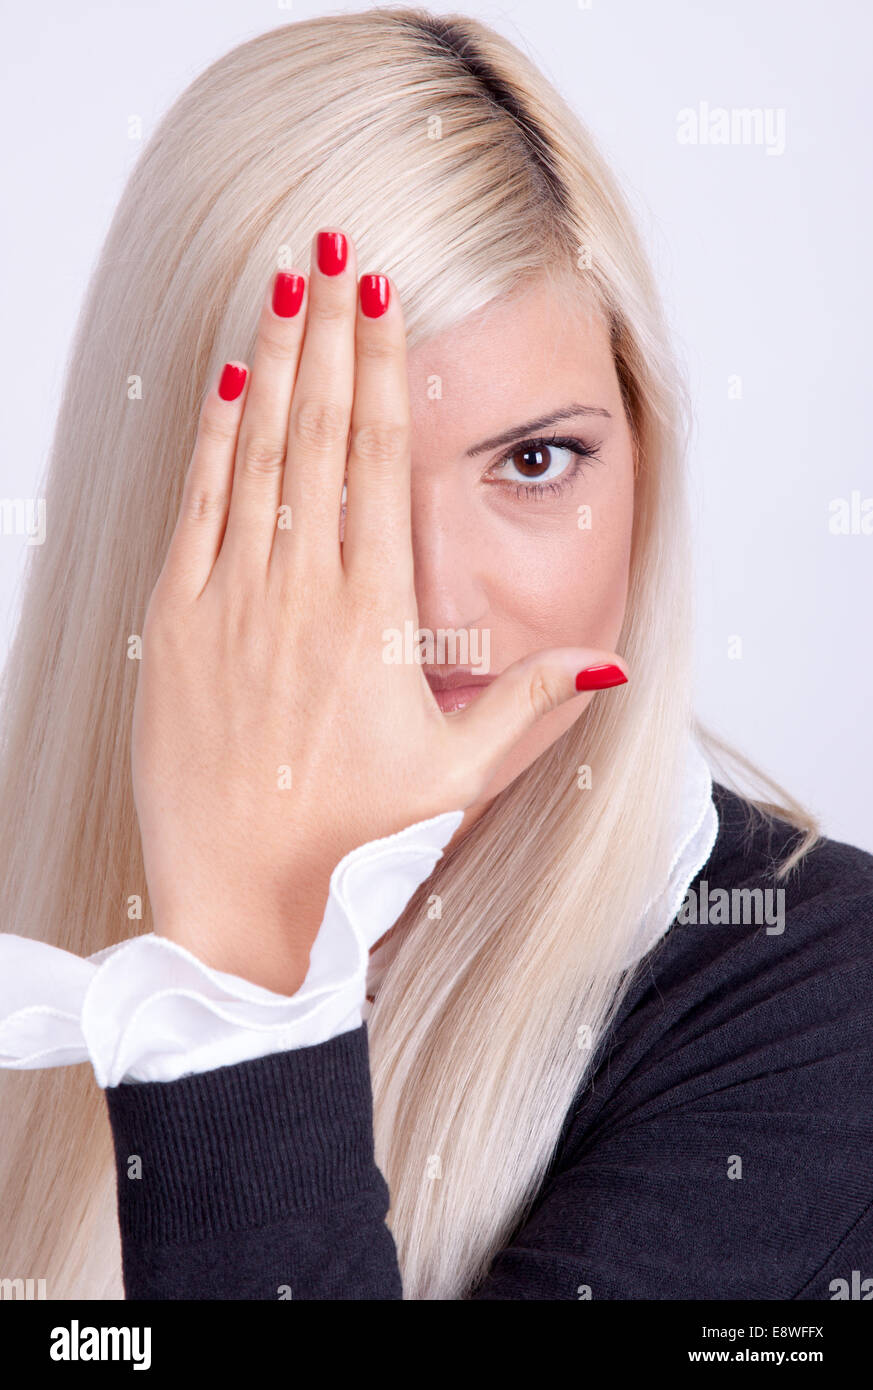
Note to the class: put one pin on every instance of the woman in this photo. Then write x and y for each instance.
(459, 419)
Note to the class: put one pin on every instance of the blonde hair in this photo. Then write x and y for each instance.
(461, 172)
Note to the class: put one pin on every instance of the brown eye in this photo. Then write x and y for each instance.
(536, 463)
(540, 467)
(531, 463)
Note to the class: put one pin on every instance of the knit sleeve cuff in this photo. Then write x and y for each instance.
(245, 1145)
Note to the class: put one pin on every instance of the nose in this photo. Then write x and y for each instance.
(449, 554)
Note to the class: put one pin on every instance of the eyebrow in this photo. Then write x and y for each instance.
(532, 426)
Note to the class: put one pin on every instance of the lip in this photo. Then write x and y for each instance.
(456, 688)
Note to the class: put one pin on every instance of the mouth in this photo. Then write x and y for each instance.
(455, 688)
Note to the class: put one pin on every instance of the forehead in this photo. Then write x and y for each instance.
(540, 345)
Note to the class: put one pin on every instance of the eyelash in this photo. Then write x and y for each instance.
(530, 491)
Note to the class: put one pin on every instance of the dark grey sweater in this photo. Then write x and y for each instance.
(722, 1148)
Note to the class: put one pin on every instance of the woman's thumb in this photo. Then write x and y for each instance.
(525, 692)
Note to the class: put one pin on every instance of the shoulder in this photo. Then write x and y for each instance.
(766, 950)
(735, 1087)
(814, 924)
(752, 842)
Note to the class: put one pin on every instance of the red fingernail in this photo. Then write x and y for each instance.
(332, 252)
(600, 677)
(374, 295)
(233, 379)
(287, 294)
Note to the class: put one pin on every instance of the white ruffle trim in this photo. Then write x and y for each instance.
(149, 1010)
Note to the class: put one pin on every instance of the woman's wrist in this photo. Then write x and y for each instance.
(253, 939)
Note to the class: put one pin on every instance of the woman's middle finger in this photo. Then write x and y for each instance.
(318, 424)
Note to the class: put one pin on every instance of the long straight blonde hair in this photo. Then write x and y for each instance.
(462, 173)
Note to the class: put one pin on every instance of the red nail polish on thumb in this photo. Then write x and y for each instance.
(600, 677)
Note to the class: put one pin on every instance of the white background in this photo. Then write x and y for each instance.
(764, 263)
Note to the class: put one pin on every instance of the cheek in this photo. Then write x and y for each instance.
(562, 584)
(571, 590)
(601, 573)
